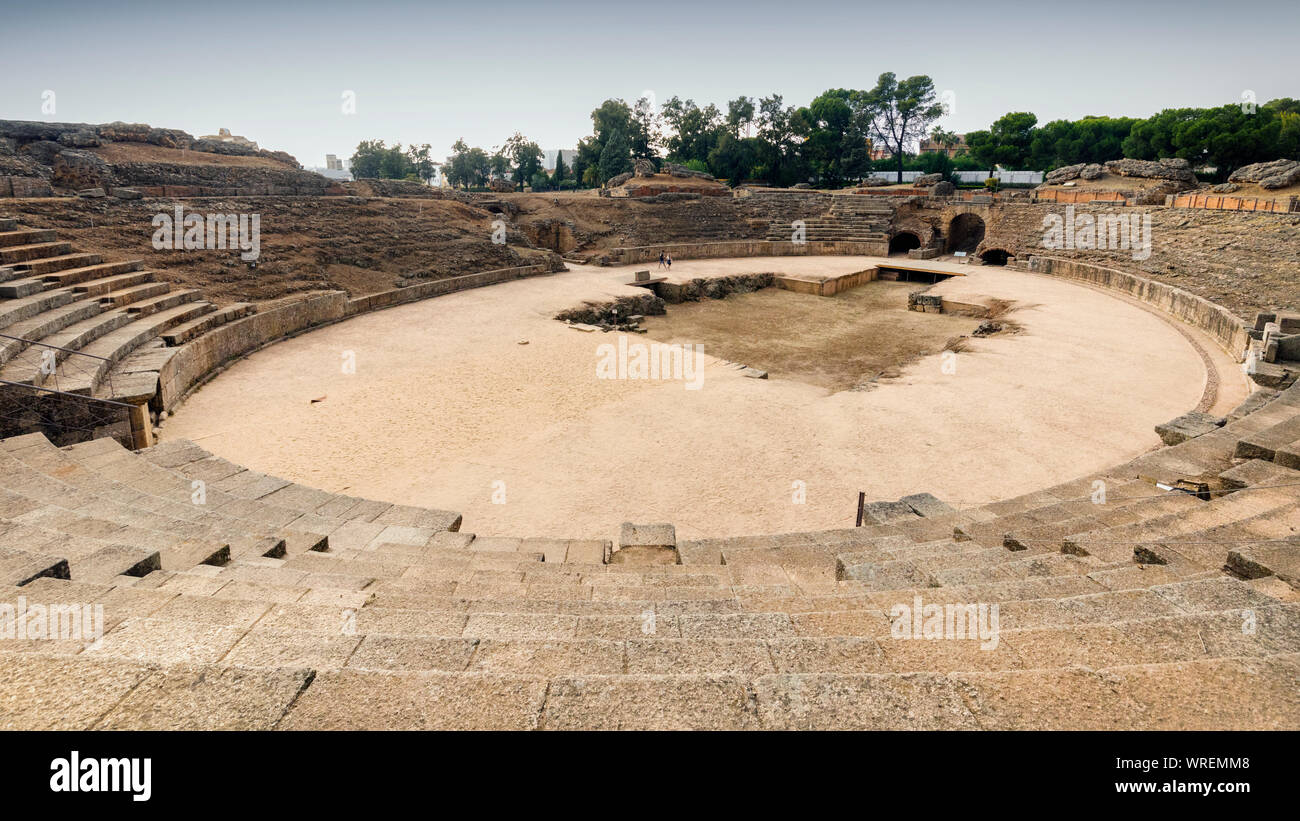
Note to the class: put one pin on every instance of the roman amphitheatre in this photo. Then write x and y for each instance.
(405, 470)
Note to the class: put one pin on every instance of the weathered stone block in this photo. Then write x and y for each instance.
(646, 544)
(926, 504)
(885, 513)
(1187, 426)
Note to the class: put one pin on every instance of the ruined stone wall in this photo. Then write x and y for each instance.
(1218, 322)
(745, 248)
(1244, 261)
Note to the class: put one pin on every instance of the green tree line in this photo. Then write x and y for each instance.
(830, 141)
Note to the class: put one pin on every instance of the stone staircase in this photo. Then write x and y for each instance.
(75, 323)
(236, 600)
(849, 219)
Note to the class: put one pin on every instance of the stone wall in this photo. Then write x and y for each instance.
(427, 290)
(1222, 202)
(745, 248)
(1218, 322)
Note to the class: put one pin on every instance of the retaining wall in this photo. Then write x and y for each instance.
(746, 248)
(1218, 322)
(1227, 202)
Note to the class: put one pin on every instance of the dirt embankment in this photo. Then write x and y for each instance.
(123, 153)
(306, 243)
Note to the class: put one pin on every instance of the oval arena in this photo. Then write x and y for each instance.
(426, 484)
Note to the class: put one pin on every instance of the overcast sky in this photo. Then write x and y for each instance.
(433, 72)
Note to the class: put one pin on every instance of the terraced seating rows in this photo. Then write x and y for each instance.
(849, 219)
(395, 619)
(76, 323)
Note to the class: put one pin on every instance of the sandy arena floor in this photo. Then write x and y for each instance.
(446, 409)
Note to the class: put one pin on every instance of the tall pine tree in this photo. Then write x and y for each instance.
(558, 176)
(616, 158)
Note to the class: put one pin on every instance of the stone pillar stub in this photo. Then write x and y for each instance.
(646, 544)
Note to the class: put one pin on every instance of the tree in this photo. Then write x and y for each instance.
(1225, 137)
(835, 128)
(525, 158)
(902, 112)
(1068, 142)
(468, 167)
(733, 158)
(580, 168)
(1006, 143)
(740, 116)
(947, 139)
(643, 130)
(780, 161)
(499, 163)
(420, 162)
(373, 159)
(694, 131)
(558, 176)
(615, 158)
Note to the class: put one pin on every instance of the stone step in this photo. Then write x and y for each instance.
(1265, 444)
(19, 567)
(8, 224)
(133, 293)
(27, 236)
(1116, 543)
(189, 331)
(109, 285)
(29, 366)
(73, 276)
(114, 346)
(24, 287)
(51, 265)
(303, 527)
(165, 300)
(108, 563)
(1257, 561)
(38, 250)
(126, 506)
(20, 309)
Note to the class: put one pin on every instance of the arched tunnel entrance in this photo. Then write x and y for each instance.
(965, 233)
(902, 242)
(995, 256)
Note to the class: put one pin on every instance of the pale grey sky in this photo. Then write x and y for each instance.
(433, 72)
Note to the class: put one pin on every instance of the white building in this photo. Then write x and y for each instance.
(549, 154)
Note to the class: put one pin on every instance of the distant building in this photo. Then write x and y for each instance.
(933, 146)
(335, 169)
(877, 153)
(549, 155)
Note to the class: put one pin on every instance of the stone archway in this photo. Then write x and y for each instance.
(995, 256)
(965, 233)
(902, 242)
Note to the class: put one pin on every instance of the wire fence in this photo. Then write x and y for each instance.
(56, 396)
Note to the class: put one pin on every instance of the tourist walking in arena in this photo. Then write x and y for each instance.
(661, 259)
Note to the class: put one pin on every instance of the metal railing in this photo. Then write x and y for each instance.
(63, 416)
